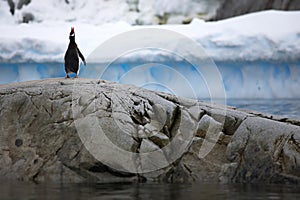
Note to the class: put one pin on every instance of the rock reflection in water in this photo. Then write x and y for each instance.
(21, 190)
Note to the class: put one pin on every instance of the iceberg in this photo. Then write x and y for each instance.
(257, 55)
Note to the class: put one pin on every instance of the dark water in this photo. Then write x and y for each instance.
(33, 191)
(289, 108)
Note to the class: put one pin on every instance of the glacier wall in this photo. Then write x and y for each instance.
(255, 60)
(250, 79)
(18, 72)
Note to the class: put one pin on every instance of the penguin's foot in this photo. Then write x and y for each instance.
(67, 76)
(76, 76)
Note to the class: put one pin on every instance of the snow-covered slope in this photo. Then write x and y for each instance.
(104, 11)
(135, 11)
(269, 35)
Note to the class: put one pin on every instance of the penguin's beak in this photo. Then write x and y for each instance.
(72, 33)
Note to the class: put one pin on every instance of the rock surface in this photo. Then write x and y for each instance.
(232, 8)
(80, 130)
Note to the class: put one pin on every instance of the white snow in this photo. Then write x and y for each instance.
(265, 46)
(268, 35)
(177, 11)
(111, 11)
(88, 11)
(47, 42)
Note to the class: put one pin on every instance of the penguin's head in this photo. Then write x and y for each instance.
(72, 34)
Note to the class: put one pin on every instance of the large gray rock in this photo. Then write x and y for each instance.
(79, 130)
(231, 8)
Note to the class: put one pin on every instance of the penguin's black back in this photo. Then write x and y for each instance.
(71, 58)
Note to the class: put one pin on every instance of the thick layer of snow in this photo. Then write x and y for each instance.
(47, 42)
(104, 11)
(269, 35)
(177, 11)
(258, 54)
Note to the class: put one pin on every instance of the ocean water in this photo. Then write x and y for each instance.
(143, 191)
(289, 108)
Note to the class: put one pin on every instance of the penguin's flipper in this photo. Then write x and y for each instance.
(81, 56)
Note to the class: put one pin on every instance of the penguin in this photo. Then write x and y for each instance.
(72, 56)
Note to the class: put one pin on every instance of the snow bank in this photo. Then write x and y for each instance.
(47, 42)
(258, 54)
(102, 11)
(269, 35)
